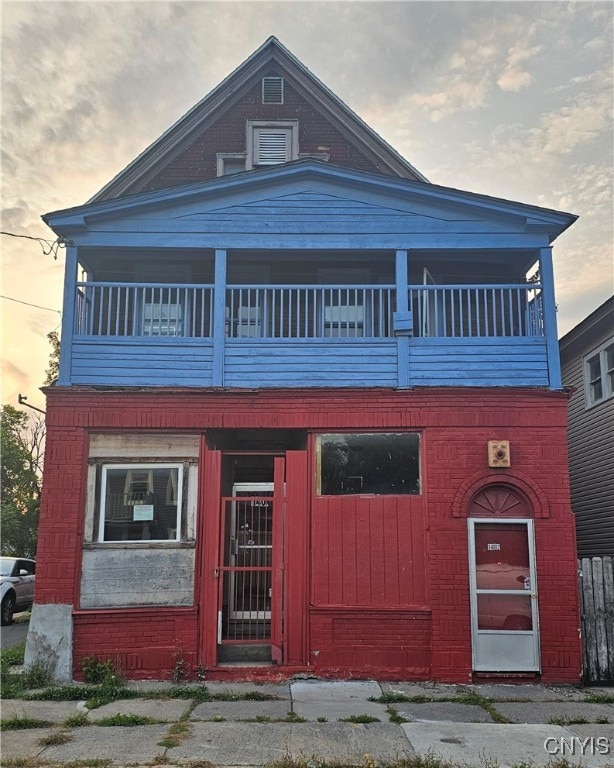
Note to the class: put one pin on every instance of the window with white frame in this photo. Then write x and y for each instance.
(141, 502)
(599, 374)
(229, 163)
(271, 142)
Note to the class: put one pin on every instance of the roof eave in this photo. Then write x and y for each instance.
(173, 140)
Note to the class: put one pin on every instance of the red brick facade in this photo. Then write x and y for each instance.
(422, 632)
(228, 134)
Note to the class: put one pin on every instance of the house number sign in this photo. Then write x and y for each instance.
(493, 547)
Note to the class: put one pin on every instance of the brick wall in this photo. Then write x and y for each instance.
(198, 161)
(456, 427)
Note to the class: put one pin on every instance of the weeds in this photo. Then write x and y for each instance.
(177, 734)
(568, 721)
(599, 698)
(36, 762)
(20, 723)
(392, 697)
(77, 720)
(359, 719)
(292, 717)
(127, 721)
(395, 716)
(12, 685)
(57, 737)
(101, 671)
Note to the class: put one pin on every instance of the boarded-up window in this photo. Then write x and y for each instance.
(368, 463)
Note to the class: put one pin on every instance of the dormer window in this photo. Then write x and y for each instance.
(271, 142)
(272, 90)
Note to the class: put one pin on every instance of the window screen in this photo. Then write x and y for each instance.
(381, 464)
(141, 502)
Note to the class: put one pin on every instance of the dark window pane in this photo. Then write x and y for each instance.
(140, 503)
(505, 612)
(383, 464)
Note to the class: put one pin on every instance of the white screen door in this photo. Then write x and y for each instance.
(504, 615)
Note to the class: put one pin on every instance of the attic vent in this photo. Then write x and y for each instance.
(272, 146)
(272, 90)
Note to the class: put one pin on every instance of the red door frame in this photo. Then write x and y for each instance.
(290, 563)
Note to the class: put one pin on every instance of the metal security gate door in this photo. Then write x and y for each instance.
(248, 556)
(504, 615)
(250, 583)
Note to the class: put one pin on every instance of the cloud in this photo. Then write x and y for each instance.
(514, 77)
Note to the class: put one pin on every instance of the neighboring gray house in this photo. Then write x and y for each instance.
(587, 361)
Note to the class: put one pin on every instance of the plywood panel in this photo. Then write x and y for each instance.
(367, 551)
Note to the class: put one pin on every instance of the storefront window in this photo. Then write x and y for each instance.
(369, 463)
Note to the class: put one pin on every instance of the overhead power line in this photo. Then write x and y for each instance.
(48, 246)
(28, 304)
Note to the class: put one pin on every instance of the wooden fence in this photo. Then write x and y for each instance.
(597, 607)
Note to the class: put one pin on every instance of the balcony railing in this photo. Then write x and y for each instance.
(484, 311)
(144, 309)
(309, 311)
(156, 310)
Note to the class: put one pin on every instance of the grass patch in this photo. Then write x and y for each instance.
(77, 720)
(169, 742)
(61, 693)
(465, 698)
(57, 737)
(127, 721)
(567, 721)
(292, 717)
(37, 762)
(197, 693)
(22, 723)
(599, 698)
(395, 716)
(13, 656)
(177, 734)
(13, 684)
(359, 719)
(200, 693)
(178, 729)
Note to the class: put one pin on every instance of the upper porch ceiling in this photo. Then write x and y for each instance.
(316, 199)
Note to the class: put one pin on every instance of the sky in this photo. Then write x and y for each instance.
(509, 99)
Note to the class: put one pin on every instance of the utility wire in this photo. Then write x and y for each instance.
(27, 303)
(48, 246)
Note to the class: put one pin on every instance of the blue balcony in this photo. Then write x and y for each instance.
(181, 334)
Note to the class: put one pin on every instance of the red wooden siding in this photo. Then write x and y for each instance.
(372, 551)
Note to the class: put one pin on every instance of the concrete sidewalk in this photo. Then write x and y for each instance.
(361, 723)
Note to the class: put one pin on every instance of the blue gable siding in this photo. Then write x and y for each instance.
(306, 211)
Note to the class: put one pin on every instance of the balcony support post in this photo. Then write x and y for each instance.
(68, 315)
(402, 305)
(549, 308)
(219, 318)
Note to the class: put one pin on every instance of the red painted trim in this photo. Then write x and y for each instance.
(297, 551)
(209, 524)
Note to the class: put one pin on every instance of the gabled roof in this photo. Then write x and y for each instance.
(134, 177)
(583, 335)
(407, 196)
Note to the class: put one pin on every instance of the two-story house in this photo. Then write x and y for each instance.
(309, 415)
